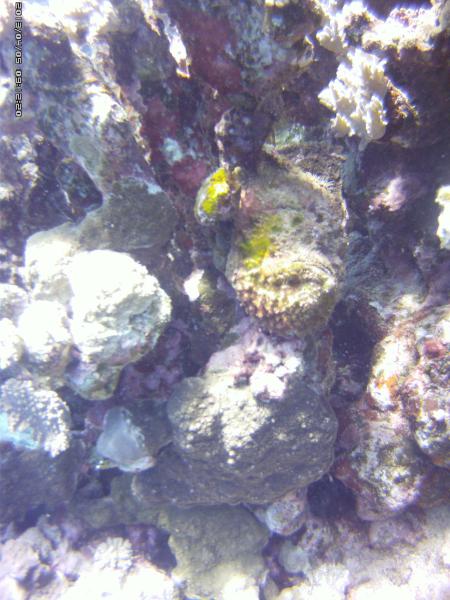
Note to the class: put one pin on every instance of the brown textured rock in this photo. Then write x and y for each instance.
(400, 420)
(255, 426)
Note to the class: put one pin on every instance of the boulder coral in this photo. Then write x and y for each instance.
(285, 263)
(253, 427)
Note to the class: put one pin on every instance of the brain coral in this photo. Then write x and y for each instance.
(289, 296)
(285, 263)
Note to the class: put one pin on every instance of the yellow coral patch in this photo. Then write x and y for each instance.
(259, 243)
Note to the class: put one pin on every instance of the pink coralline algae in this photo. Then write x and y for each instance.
(207, 38)
(396, 438)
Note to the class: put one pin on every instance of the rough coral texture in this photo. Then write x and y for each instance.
(357, 93)
(289, 297)
(45, 553)
(44, 328)
(11, 344)
(377, 59)
(53, 480)
(254, 426)
(36, 417)
(286, 515)
(285, 263)
(13, 300)
(356, 96)
(402, 410)
(419, 543)
(209, 561)
(117, 307)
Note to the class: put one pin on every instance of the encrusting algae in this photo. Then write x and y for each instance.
(260, 242)
(213, 202)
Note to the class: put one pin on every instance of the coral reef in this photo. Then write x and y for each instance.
(383, 465)
(44, 329)
(377, 61)
(43, 561)
(11, 344)
(224, 280)
(117, 307)
(356, 96)
(117, 310)
(52, 481)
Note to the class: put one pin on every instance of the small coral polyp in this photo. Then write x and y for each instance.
(290, 297)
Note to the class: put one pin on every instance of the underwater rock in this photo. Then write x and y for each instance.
(425, 395)
(214, 198)
(52, 480)
(33, 417)
(133, 217)
(255, 426)
(240, 135)
(43, 562)
(213, 308)
(286, 515)
(117, 310)
(402, 410)
(13, 301)
(286, 257)
(218, 551)
(328, 581)
(142, 581)
(348, 562)
(89, 128)
(44, 328)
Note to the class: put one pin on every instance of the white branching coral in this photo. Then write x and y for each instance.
(356, 96)
(357, 93)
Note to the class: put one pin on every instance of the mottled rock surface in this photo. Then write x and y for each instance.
(52, 480)
(35, 417)
(218, 551)
(255, 426)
